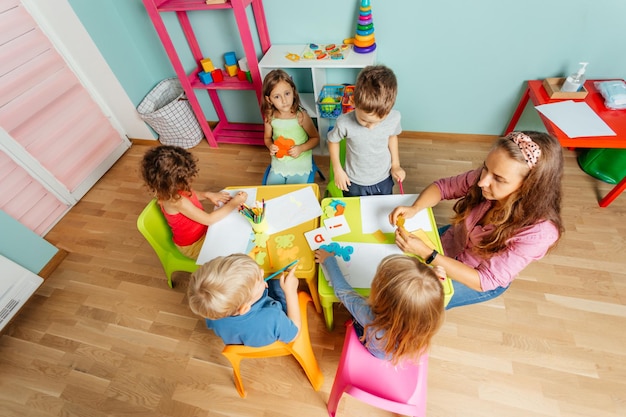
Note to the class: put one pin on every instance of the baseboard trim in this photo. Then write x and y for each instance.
(53, 263)
(407, 134)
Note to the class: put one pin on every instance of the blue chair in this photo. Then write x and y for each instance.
(310, 180)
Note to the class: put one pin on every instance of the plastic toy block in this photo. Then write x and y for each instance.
(207, 65)
(205, 77)
(241, 75)
(249, 76)
(217, 75)
(243, 64)
(230, 58)
(231, 70)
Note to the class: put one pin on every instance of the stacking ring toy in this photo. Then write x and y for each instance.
(361, 44)
(365, 21)
(365, 27)
(366, 50)
(365, 32)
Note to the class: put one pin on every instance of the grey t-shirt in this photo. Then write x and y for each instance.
(368, 160)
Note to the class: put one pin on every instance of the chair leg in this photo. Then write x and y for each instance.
(235, 361)
(301, 349)
(334, 397)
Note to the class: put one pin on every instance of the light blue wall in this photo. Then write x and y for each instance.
(461, 64)
(22, 246)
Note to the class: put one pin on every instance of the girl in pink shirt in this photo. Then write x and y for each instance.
(508, 214)
(168, 172)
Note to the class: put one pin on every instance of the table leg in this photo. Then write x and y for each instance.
(518, 111)
(312, 283)
(612, 195)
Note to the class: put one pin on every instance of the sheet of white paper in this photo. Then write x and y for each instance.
(291, 210)
(229, 235)
(317, 237)
(575, 119)
(251, 194)
(360, 269)
(375, 211)
(337, 225)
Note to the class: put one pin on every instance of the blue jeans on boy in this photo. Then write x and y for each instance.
(463, 295)
(385, 187)
(277, 293)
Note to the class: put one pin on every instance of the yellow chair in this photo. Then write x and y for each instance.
(300, 348)
(157, 232)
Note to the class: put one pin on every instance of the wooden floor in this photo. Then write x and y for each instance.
(105, 336)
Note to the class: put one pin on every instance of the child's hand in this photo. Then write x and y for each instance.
(398, 174)
(240, 198)
(218, 198)
(321, 255)
(289, 282)
(341, 180)
(273, 149)
(294, 151)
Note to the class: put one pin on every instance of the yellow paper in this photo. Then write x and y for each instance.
(424, 238)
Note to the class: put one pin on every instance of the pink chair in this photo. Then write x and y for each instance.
(400, 389)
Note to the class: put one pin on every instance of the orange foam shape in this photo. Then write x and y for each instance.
(283, 146)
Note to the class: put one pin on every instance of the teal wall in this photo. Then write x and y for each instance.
(461, 64)
(22, 246)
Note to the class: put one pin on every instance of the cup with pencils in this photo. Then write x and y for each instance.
(256, 216)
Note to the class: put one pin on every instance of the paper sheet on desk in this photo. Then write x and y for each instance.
(232, 233)
(575, 119)
(375, 211)
(360, 269)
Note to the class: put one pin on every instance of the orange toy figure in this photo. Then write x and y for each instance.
(283, 146)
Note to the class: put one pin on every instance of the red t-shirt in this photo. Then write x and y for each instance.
(184, 230)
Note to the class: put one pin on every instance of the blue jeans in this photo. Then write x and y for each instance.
(463, 295)
(274, 178)
(276, 292)
(385, 187)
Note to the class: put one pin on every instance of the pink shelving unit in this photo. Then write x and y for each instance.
(224, 131)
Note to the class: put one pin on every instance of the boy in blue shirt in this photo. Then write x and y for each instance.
(240, 306)
(371, 134)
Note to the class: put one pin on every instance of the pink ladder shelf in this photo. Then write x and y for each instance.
(225, 131)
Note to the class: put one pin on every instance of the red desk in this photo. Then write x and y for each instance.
(616, 119)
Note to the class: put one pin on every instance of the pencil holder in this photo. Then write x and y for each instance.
(260, 227)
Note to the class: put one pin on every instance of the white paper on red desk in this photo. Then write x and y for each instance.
(575, 119)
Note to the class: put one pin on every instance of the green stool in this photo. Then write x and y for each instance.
(608, 165)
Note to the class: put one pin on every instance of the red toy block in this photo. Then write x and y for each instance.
(217, 75)
(241, 75)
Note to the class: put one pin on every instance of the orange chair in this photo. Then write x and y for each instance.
(300, 348)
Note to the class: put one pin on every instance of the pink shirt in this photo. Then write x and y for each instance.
(185, 231)
(527, 245)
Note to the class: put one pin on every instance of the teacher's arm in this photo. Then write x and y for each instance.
(455, 270)
(429, 197)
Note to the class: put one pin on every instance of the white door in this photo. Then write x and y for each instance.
(56, 141)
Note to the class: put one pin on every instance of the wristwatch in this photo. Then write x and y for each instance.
(432, 257)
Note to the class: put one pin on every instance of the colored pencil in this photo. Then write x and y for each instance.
(281, 270)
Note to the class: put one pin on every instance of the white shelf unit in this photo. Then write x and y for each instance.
(276, 57)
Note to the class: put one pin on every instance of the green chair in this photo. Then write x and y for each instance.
(157, 232)
(331, 188)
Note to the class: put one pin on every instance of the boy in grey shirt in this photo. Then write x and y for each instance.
(371, 133)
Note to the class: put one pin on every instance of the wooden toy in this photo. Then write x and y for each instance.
(217, 75)
(230, 58)
(205, 77)
(207, 65)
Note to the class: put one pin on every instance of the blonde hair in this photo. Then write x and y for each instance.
(221, 286)
(406, 300)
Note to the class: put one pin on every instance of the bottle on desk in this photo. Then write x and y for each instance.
(575, 81)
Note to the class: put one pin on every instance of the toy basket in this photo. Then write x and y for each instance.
(347, 102)
(329, 101)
